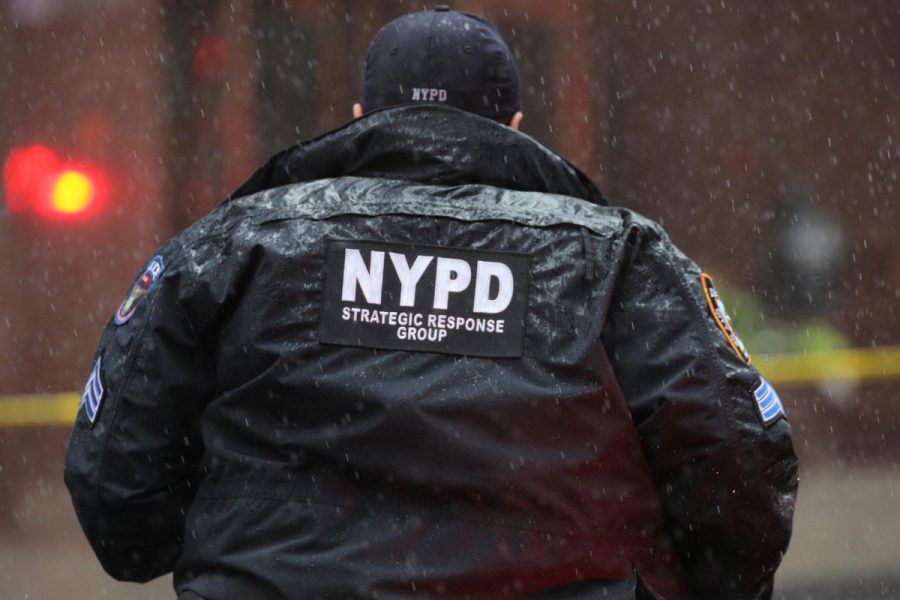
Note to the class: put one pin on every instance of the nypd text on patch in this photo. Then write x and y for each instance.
(92, 396)
(425, 298)
(768, 402)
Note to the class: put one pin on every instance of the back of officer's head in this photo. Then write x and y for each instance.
(442, 56)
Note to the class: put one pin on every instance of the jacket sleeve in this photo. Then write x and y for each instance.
(133, 457)
(715, 435)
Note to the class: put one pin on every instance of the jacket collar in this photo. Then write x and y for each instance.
(432, 144)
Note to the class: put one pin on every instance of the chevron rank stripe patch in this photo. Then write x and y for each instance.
(92, 396)
(768, 403)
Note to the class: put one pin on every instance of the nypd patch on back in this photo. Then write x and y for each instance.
(425, 298)
(92, 396)
(768, 402)
(144, 283)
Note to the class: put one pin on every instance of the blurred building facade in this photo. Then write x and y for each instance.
(698, 114)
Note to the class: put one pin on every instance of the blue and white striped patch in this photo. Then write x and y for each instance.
(92, 395)
(768, 402)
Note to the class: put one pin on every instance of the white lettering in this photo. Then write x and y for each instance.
(409, 276)
(421, 334)
(429, 94)
(369, 278)
(485, 273)
(453, 275)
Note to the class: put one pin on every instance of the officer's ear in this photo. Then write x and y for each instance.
(515, 121)
(357, 110)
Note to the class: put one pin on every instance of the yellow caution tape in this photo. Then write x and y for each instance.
(854, 364)
(39, 409)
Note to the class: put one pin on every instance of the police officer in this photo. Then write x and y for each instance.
(421, 357)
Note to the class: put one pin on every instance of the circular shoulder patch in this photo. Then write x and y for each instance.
(720, 316)
(140, 288)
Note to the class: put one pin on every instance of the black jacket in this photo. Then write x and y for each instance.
(419, 356)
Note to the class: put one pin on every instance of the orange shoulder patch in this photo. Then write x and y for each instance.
(720, 316)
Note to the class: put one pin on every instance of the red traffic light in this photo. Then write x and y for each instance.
(36, 180)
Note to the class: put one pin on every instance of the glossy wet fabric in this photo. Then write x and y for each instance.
(236, 449)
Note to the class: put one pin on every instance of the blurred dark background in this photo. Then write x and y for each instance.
(762, 134)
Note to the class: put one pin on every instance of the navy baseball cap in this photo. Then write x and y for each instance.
(444, 56)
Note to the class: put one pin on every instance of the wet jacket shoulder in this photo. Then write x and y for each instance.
(132, 466)
(714, 431)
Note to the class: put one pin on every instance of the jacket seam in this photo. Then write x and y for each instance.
(340, 209)
(439, 516)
